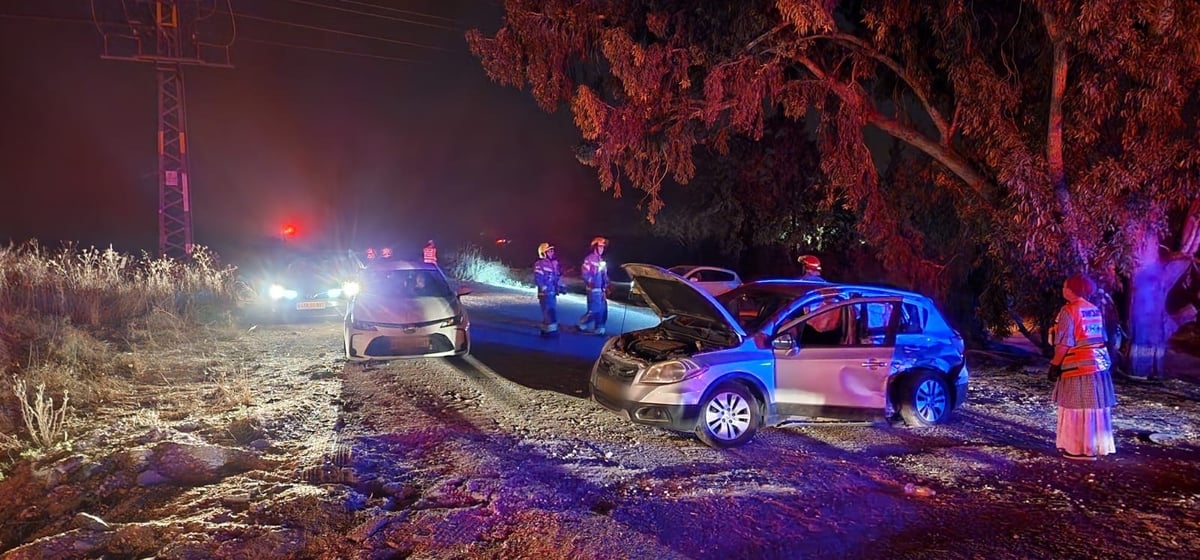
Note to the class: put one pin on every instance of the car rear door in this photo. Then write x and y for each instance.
(838, 362)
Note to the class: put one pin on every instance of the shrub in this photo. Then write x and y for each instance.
(471, 265)
(44, 422)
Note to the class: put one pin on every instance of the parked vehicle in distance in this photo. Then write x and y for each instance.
(712, 279)
(293, 284)
(777, 351)
(406, 309)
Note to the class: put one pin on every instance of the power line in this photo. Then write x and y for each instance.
(339, 32)
(349, 53)
(89, 21)
(380, 16)
(398, 10)
(46, 18)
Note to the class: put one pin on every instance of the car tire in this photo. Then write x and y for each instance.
(729, 416)
(924, 399)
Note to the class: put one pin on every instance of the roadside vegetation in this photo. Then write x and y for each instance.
(471, 265)
(78, 324)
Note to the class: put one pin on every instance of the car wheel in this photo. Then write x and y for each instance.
(729, 416)
(924, 399)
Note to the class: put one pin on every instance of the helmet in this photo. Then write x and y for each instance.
(809, 262)
(543, 249)
(601, 241)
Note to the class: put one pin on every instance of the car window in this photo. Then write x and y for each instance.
(752, 307)
(406, 283)
(827, 328)
(679, 270)
(912, 319)
(715, 276)
(874, 323)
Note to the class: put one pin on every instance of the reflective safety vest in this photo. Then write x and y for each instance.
(429, 255)
(594, 272)
(547, 274)
(1088, 354)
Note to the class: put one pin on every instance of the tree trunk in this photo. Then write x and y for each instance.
(1149, 322)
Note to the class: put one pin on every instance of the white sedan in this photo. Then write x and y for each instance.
(406, 310)
(711, 279)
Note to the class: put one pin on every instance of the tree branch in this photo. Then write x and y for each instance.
(1054, 128)
(939, 121)
(1189, 241)
(943, 154)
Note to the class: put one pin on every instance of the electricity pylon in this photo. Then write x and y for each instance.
(167, 34)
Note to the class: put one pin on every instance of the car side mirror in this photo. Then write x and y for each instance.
(784, 341)
(462, 291)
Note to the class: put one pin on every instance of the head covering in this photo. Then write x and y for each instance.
(601, 241)
(1081, 285)
(809, 261)
(543, 249)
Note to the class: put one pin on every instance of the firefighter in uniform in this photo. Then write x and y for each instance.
(1081, 372)
(595, 279)
(429, 254)
(812, 268)
(547, 274)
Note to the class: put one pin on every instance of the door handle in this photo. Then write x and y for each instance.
(874, 364)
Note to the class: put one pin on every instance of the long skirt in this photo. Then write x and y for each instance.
(1085, 414)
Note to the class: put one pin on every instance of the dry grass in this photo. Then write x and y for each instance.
(43, 421)
(85, 322)
(234, 387)
(96, 287)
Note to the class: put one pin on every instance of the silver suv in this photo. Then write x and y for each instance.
(776, 351)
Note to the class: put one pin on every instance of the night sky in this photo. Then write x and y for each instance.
(348, 148)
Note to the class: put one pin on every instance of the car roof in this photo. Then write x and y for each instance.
(694, 267)
(401, 265)
(797, 288)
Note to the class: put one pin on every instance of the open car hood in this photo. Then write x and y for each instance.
(671, 295)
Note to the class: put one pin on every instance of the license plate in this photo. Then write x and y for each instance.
(609, 386)
(312, 305)
(411, 345)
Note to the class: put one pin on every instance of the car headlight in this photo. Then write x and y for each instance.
(361, 325)
(451, 322)
(350, 289)
(672, 371)
(279, 292)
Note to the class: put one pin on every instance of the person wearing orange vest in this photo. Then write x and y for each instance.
(1081, 372)
(429, 254)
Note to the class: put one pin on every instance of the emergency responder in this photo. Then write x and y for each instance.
(429, 254)
(1080, 370)
(812, 268)
(547, 274)
(595, 279)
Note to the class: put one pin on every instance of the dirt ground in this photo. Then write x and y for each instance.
(264, 443)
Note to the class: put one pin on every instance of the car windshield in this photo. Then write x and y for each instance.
(753, 305)
(406, 283)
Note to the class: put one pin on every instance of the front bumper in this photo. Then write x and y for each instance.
(389, 342)
(671, 406)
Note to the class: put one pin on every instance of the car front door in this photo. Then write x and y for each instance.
(835, 361)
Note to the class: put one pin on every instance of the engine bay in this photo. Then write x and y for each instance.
(656, 345)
